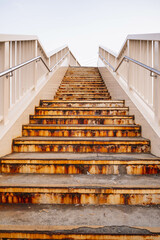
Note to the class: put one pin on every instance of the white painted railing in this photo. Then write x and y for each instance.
(139, 82)
(18, 85)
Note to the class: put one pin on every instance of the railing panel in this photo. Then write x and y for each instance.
(20, 84)
(140, 80)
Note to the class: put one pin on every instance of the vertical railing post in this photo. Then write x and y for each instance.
(69, 58)
(6, 85)
(156, 83)
(129, 64)
(35, 66)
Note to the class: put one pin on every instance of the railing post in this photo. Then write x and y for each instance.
(35, 65)
(129, 74)
(6, 85)
(156, 81)
(69, 58)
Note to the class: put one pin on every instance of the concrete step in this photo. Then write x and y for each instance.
(101, 111)
(80, 189)
(96, 120)
(90, 88)
(109, 103)
(82, 92)
(80, 163)
(82, 78)
(79, 222)
(82, 97)
(90, 81)
(81, 131)
(83, 145)
(84, 84)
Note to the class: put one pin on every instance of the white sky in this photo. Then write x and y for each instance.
(81, 24)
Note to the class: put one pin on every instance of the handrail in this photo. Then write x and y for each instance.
(152, 70)
(10, 70)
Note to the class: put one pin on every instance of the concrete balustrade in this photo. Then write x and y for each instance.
(141, 85)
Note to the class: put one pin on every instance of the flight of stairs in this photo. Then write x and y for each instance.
(81, 169)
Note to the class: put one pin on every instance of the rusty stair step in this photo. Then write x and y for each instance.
(80, 189)
(82, 103)
(83, 88)
(83, 94)
(99, 103)
(84, 145)
(79, 222)
(73, 85)
(83, 84)
(82, 111)
(81, 131)
(60, 163)
(74, 119)
(88, 84)
(82, 98)
(82, 79)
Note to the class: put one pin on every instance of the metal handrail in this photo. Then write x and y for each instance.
(10, 70)
(152, 70)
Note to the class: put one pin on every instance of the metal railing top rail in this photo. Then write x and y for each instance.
(10, 70)
(152, 70)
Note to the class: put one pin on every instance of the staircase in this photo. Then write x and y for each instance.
(81, 169)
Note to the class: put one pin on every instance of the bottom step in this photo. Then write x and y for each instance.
(79, 222)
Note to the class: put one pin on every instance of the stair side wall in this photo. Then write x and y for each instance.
(47, 92)
(117, 92)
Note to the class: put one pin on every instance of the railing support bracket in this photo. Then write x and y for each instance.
(152, 74)
(126, 60)
(9, 75)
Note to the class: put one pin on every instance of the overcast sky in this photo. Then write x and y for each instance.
(81, 24)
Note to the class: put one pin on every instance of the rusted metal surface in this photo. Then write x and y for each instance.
(87, 195)
(83, 98)
(84, 146)
(81, 131)
(80, 94)
(82, 104)
(82, 90)
(103, 111)
(28, 236)
(90, 93)
(103, 120)
(62, 167)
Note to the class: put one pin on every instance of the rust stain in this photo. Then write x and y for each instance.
(97, 198)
